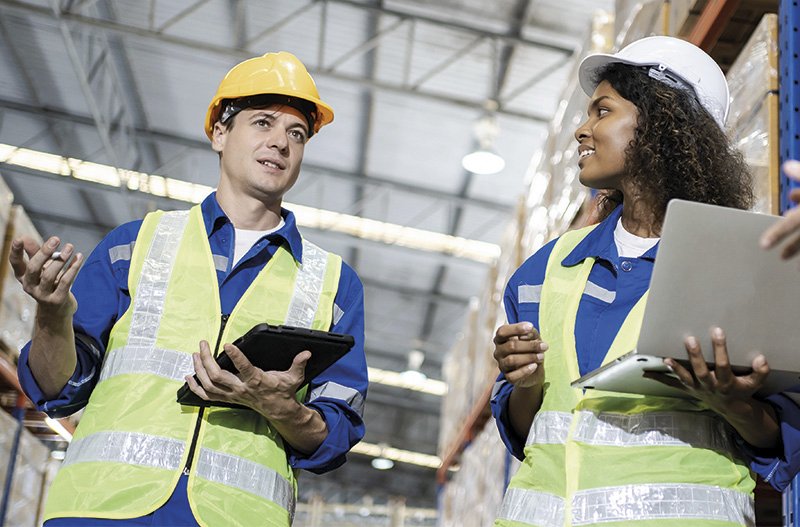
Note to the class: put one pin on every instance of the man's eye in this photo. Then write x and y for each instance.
(261, 122)
(298, 135)
(602, 111)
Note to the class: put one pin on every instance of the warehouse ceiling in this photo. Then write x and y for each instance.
(126, 83)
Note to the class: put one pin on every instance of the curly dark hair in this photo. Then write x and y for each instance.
(678, 150)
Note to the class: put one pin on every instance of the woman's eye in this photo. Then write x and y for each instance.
(602, 111)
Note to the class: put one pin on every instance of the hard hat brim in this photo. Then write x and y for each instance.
(324, 111)
(591, 65)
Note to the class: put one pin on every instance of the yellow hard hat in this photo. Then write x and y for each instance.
(278, 73)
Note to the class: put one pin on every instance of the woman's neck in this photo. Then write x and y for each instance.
(639, 218)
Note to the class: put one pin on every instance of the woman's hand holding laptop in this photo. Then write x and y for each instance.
(724, 392)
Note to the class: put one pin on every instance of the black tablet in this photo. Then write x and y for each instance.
(273, 348)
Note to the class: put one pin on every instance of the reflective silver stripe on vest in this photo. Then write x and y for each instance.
(121, 252)
(246, 475)
(334, 390)
(148, 305)
(533, 508)
(154, 279)
(170, 364)
(132, 448)
(529, 294)
(659, 501)
(549, 428)
(307, 287)
(653, 429)
(600, 293)
(648, 429)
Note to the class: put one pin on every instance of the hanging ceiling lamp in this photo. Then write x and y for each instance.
(485, 160)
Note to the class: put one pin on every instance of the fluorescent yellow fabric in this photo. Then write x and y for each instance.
(566, 466)
(139, 408)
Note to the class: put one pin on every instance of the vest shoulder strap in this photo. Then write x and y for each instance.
(565, 245)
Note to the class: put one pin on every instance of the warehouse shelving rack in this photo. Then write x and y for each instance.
(789, 143)
(27, 417)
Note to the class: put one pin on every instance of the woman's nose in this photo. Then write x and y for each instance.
(583, 131)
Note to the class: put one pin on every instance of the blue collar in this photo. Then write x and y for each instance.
(599, 243)
(214, 218)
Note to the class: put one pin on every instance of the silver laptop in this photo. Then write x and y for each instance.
(710, 271)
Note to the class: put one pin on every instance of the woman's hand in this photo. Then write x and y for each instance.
(722, 390)
(519, 352)
(728, 394)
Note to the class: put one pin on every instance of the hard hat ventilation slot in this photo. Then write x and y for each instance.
(662, 74)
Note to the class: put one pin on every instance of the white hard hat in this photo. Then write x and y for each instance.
(674, 62)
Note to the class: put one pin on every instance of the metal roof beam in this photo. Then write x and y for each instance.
(458, 26)
(181, 15)
(27, 79)
(241, 54)
(101, 122)
(129, 87)
(238, 14)
(277, 25)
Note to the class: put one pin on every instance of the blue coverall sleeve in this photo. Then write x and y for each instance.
(529, 275)
(339, 392)
(100, 289)
(502, 391)
(779, 466)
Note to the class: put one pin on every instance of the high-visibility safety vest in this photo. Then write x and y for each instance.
(134, 440)
(612, 459)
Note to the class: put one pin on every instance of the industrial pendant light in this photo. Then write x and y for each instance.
(485, 160)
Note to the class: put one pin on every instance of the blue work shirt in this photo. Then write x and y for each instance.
(614, 286)
(101, 289)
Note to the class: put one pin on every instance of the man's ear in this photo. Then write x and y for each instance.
(218, 136)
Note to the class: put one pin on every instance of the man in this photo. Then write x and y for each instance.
(786, 230)
(120, 340)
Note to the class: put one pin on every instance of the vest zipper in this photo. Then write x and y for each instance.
(199, 421)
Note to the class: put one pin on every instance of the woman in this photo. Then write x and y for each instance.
(653, 133)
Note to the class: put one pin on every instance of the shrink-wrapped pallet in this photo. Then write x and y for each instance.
(753, 118)
(469, 368)
(635, 19)
(17, 309)
(8, 428)
(6, 200)
(473, 496)
(27, 483)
